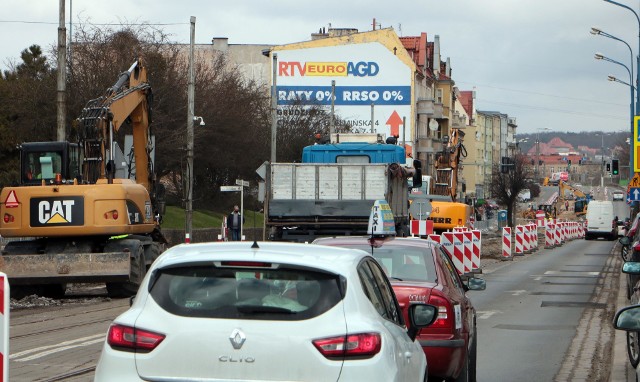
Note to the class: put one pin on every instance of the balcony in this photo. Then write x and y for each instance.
(459, 121)
(429, 107)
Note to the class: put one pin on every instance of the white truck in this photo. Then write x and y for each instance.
(307, 200)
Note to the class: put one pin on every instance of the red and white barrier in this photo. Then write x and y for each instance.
(4, 327)
(519, 240)
(550, 236)
(446, 239)
(526, 239)
(458, 250)
(533, 231)
(436, 238)
(421, 227)
(460, 229)
(477, 249)
(468, 251)
(556, 234)
(506, 243)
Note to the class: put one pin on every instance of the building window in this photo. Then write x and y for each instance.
(438, 95)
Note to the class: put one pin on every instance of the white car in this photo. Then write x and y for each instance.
(265, 312)
(618, 195)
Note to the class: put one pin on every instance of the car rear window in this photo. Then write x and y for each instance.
(241, 293)
(399, 262)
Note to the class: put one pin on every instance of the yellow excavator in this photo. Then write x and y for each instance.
(446, 212)
(581, 200)
(70, 218)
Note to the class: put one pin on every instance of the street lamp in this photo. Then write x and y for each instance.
(598, 32)
(599, 56)
(631, 153)
(537, 167)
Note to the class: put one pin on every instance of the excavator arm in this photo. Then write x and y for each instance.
(446, 166)
(128, 99)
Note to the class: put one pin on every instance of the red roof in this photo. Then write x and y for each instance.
(466, 99)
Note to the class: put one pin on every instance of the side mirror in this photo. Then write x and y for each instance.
(476, 283)
(628, 318)
(420, 316)
(624, 241)
(631, 267)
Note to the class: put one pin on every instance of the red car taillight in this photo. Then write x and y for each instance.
(445, 316)
(362, 345)
(131, 338)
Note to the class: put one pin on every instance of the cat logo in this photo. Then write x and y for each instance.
(57, 211)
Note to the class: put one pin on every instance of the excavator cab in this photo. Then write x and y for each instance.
(53, 162)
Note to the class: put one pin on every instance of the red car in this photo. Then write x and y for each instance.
(420, 270)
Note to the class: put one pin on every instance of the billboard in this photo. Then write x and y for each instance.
(365, 73)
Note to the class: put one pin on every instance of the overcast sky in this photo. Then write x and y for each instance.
(530, 59)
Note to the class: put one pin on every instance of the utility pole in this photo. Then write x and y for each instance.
(62, 75)
(274, 108)
(190, 115)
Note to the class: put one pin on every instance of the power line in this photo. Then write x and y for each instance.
(543, 94)
(101, 24)
(572, 112)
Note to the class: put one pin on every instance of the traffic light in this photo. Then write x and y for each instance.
(505, 166)
(614, 167)
(608, 167)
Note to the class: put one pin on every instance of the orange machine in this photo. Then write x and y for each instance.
(446, 213)
(72, 219)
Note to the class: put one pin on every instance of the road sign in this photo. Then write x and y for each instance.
(634, 194)
(636, 144)
(230, 188)
(241, 182)
(420, 209)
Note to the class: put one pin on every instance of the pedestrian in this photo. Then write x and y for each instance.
(566, 205)
(234, 223)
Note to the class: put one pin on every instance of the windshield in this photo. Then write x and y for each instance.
(205, 291)
(405, 263)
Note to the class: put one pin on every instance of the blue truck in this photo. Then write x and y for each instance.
(332, 191)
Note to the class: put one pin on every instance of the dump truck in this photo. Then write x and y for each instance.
(332, 191)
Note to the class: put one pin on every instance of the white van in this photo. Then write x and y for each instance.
(600, 221)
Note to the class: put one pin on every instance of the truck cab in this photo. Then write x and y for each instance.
(53, 162)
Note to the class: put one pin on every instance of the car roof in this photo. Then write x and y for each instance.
(413, 241)
(332, 259)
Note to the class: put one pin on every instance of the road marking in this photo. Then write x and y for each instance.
(517, 292)
(484, 315)
(50, 349)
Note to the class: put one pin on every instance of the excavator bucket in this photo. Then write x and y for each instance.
(28, 269)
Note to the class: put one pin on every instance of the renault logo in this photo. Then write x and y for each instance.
(237, 338)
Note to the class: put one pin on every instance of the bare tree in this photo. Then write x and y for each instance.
(505, 185)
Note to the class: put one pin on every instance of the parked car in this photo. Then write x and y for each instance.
(268, 311)
(618, 195)
(420, 270)
(633, 337)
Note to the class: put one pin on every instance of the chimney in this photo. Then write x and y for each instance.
(436, 55)
(448, 67)
(220, 43)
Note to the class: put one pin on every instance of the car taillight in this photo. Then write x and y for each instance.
(444, 320)
(250, 264)
(362, 345)
(127, 337)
